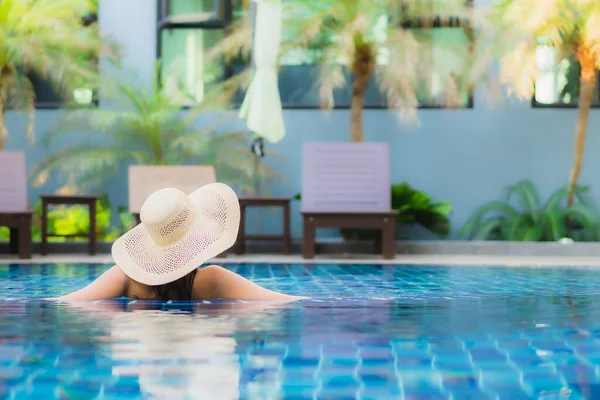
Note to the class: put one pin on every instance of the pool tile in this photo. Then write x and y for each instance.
(351, 362)
(424, 394)
(456, 381)
(513, 394)
(389, 392)
(489, 354)
(414, 363)
(471, 395)
(299, 362)
(12, 375)
(487, 323)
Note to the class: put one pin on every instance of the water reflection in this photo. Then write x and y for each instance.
(503, 347)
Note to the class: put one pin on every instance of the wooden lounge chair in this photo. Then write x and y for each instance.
(146, 179)
(347, 185)
(14, 212)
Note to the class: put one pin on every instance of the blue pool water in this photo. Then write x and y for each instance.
(369, 332)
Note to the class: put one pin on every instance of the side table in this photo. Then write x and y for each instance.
(286, 237)
(19, 224)
(89, 201)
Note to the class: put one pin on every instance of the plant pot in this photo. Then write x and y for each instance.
(13, 181)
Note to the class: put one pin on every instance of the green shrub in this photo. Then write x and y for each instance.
(414, 208)
(74, 220)
(522, 217)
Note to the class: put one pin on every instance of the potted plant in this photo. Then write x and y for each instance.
(54, 41)
(522, 217)
(569, 27)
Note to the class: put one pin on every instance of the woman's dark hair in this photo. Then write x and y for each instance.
(179, 290)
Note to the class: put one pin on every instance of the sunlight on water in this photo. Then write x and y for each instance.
(370, 332)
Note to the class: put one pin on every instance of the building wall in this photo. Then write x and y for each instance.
(465, 156)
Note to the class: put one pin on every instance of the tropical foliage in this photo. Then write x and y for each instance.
(521, 216)
(147, 128)
(48, 39)
(74, 220)
(387, 41)
(573, 28)
(416, 207)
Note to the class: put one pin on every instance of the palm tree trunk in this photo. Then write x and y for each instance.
(586, 93)
(356, 107)
(362, 68)
(3, 102)
(3, 131)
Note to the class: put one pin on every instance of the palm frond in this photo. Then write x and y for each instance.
(47, 38)
(150, 129)
(556, 23)
(590, 33)
(80, 164)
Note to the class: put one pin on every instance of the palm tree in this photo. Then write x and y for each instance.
(573, 29)
(48, 39)
(147, 128)
(386, 39)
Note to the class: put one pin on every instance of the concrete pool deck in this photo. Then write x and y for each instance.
(470, 260)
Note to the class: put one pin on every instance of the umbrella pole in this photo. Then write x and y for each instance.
(256, 175)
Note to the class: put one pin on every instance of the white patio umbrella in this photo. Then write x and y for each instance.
(261, 108)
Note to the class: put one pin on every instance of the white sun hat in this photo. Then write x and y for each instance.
(178, 233)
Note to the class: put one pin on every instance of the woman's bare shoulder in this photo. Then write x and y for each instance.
(214, 282)
(206, 282)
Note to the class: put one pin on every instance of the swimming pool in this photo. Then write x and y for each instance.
(370, 332)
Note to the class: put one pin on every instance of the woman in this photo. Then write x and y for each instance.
(159, 258)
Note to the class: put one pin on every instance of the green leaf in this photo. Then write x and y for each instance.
(499, 209)
(489, 230)
(527, 196)
(554, 224)
(442, 208)
(532, 234)
(556, 198)
(516, 226)
(587, 218)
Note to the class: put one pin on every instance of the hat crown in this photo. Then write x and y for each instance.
(167, 215)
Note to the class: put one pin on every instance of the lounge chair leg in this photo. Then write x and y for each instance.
(287, 236)
(25, 240)
(240, 245)
(13, 245)
(44, 246)
(92, 232)
(388, 238)
(379, 239)
(308, 238)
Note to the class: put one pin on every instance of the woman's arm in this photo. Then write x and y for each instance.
(111, 284)
(214, 282)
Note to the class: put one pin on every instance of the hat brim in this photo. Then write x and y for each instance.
(148, 263)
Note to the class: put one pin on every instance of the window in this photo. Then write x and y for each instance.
(558, 82)
(47, 97)
(187, 29)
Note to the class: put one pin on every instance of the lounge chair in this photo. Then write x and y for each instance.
(14, 212)
(146, 179)
(347, 185)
